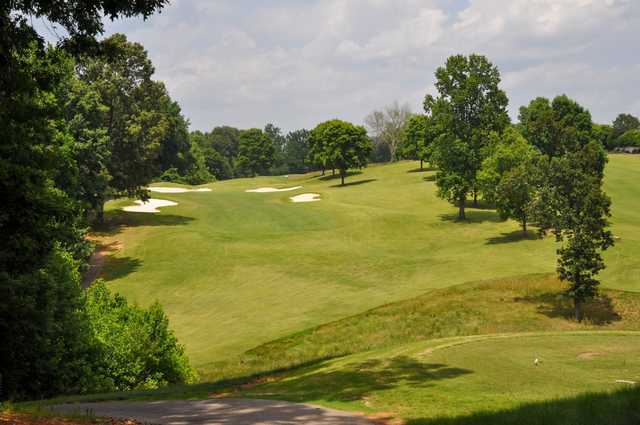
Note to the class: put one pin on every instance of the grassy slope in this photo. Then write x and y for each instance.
(236, 269)
(462, 376)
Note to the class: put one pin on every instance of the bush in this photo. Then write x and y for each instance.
(139, 351)
(629, 138)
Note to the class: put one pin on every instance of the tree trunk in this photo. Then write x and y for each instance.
(333, 171)
(100, 212)
(524, 225)
(578, 308)
(322, 174)
(475, 197)
(421, 166)
(461, 214)
(342, 173)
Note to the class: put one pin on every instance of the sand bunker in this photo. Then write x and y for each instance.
(151, 206)
(176, 189)
(272, 189)
(306, 197)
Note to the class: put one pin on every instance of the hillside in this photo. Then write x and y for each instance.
(235, 270)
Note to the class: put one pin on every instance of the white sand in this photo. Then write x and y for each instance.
(306, 197)
(272, 189)
(176, 189)
(151, 206)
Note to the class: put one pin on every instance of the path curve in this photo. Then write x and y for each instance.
(227, 411)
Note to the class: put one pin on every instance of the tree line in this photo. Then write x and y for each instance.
(547, 169)
(81, 121)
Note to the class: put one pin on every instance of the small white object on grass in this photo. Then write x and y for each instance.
(536, 361)
(624, 381)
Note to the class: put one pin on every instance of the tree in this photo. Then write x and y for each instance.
(470, 104)
(296, 151)
(418, 137)
(45, 348)
(344, 145)
(629, 138)
(387, 126)
(622, 124)
(603, 134)
(514, 194)
(573, 205)
(504, 153)
(138, 116)
(556, 127)
(255, 153)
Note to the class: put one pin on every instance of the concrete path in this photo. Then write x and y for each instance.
(217, 411)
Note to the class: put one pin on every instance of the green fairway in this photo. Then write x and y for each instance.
(457, 377)
(234, 270)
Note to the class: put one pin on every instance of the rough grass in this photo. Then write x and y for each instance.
(235, 270)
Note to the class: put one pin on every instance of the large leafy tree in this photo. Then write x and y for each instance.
(572, 204)
(256, 152)
(145, 129)
(556, 127)
(344, 145)
(44, 346)
(469, 105)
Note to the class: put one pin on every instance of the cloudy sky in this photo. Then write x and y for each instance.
(295, 63)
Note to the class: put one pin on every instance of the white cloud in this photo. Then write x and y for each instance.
(297, 63)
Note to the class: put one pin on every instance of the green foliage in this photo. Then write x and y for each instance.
(296, 151)
(557, 127)
(138, 348)
(418, 137)
(342, 144)
(629, 138)
(256, 153)
(470, 105)
(622, 124)
(47, 344)
(602, 133)
(573, 205)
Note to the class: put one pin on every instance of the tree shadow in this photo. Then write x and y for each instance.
(515, 236)
(481, 204)
(473, 216)
(116, 220)
(423, 170)
(598, 311)
(117, 267)
(355, 183)
(429, 178)
(337, 175)
(356, 380)
(618, 407)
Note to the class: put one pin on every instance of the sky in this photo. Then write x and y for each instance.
(246, 63)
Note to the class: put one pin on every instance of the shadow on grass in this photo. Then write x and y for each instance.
(480, 204)
(515, 236)
(429, 178)
(356, 380)
(422, 170)
(473, 216)
(337, 175)
(117, 267)
(355, 183)
(619, 407)
(116, 220)
(598, 311)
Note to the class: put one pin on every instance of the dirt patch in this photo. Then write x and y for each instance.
(588, 355)
(23, 419)
(97, 260)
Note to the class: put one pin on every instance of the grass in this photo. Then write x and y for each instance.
(235, 270)
(442, 381)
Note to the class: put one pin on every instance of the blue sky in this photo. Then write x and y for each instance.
(296, 63)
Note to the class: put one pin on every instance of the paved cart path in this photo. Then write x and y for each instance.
(218, 411)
